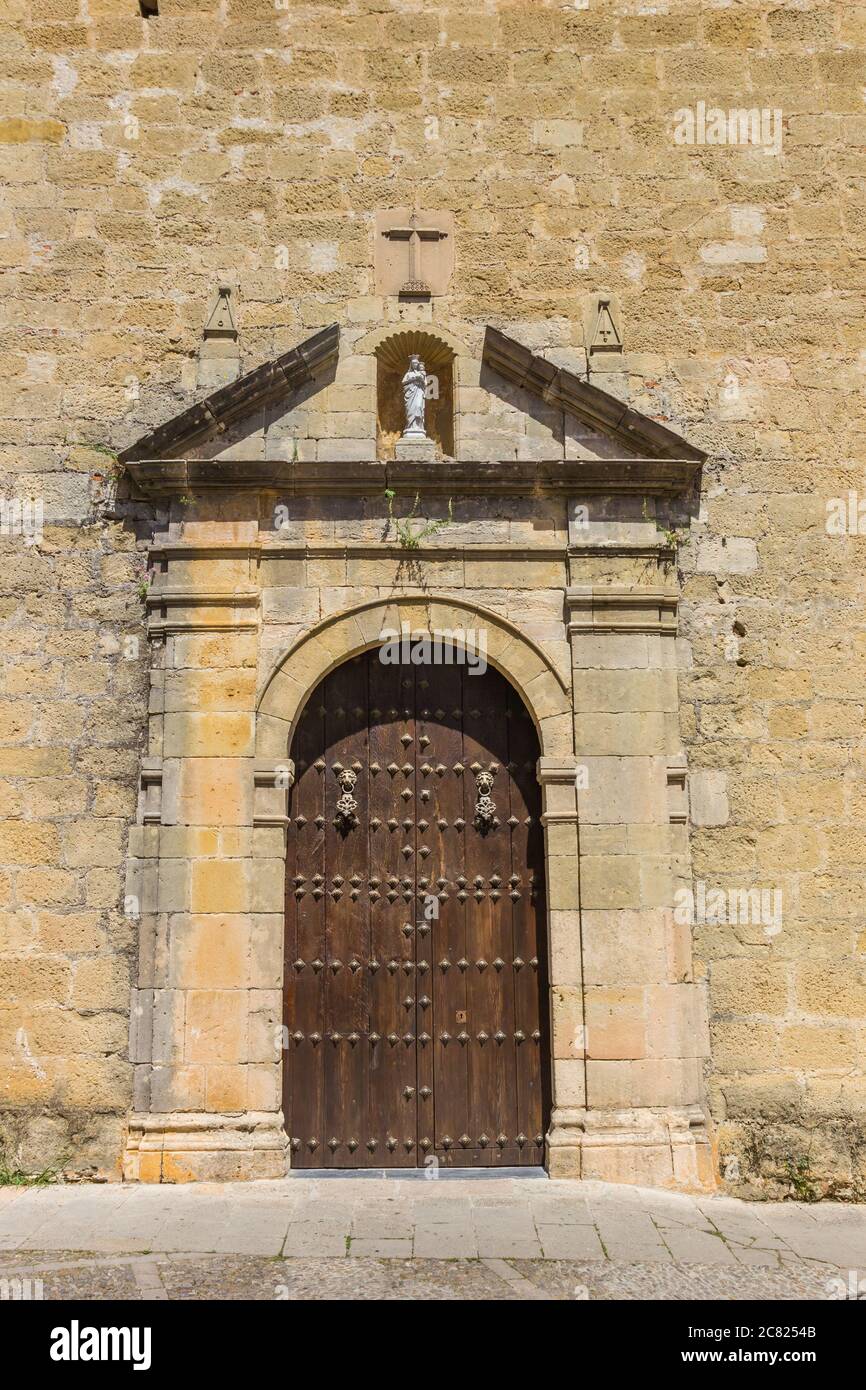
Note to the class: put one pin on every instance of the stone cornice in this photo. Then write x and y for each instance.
(557, 770)
(571, 477)
(258, 551)
(558, 778)
(230, 598)
(271, 781)
(175, 610)
(433, 549)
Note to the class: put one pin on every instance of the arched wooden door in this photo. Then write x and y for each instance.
(416, 961)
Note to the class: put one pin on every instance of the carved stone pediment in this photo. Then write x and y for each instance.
(528, 426)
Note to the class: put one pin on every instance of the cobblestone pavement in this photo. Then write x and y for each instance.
(245, 1277)
(353, 1238)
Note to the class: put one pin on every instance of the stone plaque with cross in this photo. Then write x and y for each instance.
(414, 253)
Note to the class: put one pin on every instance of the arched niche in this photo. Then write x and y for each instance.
(392, 360)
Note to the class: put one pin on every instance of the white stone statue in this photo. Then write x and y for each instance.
(415, 399)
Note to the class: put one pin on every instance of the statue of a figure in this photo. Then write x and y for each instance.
(415, 399)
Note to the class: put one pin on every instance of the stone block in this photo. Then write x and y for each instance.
(708, 797)
(217, 734)
(727, 555)
(610, 881)
(217, 1026)
(221, 886)
(611, 651)
(624, 692)
(226, 1089)
(209, 952)
(565, 947)
(676, 1021)
(30, 842)
(215, 791)
(638, 734)
(749, 986)
(563, 883)
(569, 1032)
(101, 982)
(188, 692)
(173, 885)
(174, 1088)
(620, 790)
(616, 1026)
(624, 947)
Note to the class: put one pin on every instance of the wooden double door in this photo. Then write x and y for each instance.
(416, 965)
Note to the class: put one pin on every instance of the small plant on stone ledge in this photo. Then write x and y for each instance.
(409, 538)
(673, 537)
(104, 449)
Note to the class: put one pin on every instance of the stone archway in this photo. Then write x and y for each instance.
(294, 675)
(207, 861)
(541, 689)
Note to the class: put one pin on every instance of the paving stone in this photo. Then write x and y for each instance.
(629, 1235)
(508, 1272)
(693, 1246)
(446, 1220)
(491, 1247)
(308, 1239)
(559, 1211)
(373, 1246)
(755, 1255)
(570, 1243)
(443, 1242)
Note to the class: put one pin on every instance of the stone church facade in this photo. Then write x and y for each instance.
(231, 225)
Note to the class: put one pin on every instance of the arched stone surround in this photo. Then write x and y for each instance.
(543, 690)
(343, 635)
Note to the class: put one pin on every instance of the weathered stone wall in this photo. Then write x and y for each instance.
(74, 700)
(241, 140)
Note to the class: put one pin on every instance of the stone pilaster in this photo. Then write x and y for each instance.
(207, 880)
(558, 778)
(644, 1031)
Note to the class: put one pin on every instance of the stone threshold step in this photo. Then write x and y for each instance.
(421, 1174)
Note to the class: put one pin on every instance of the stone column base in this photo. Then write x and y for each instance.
(205, 1148)
(646, 1148)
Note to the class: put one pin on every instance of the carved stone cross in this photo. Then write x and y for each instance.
(415, 259)
(414, 235)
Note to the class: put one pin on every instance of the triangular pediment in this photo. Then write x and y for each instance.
(520, 420)
(610, 424)
(232, 407)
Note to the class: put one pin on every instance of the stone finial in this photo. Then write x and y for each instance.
(606, 336)
(604, 343)
(603, 332)
(221, 323)
(219, 359)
